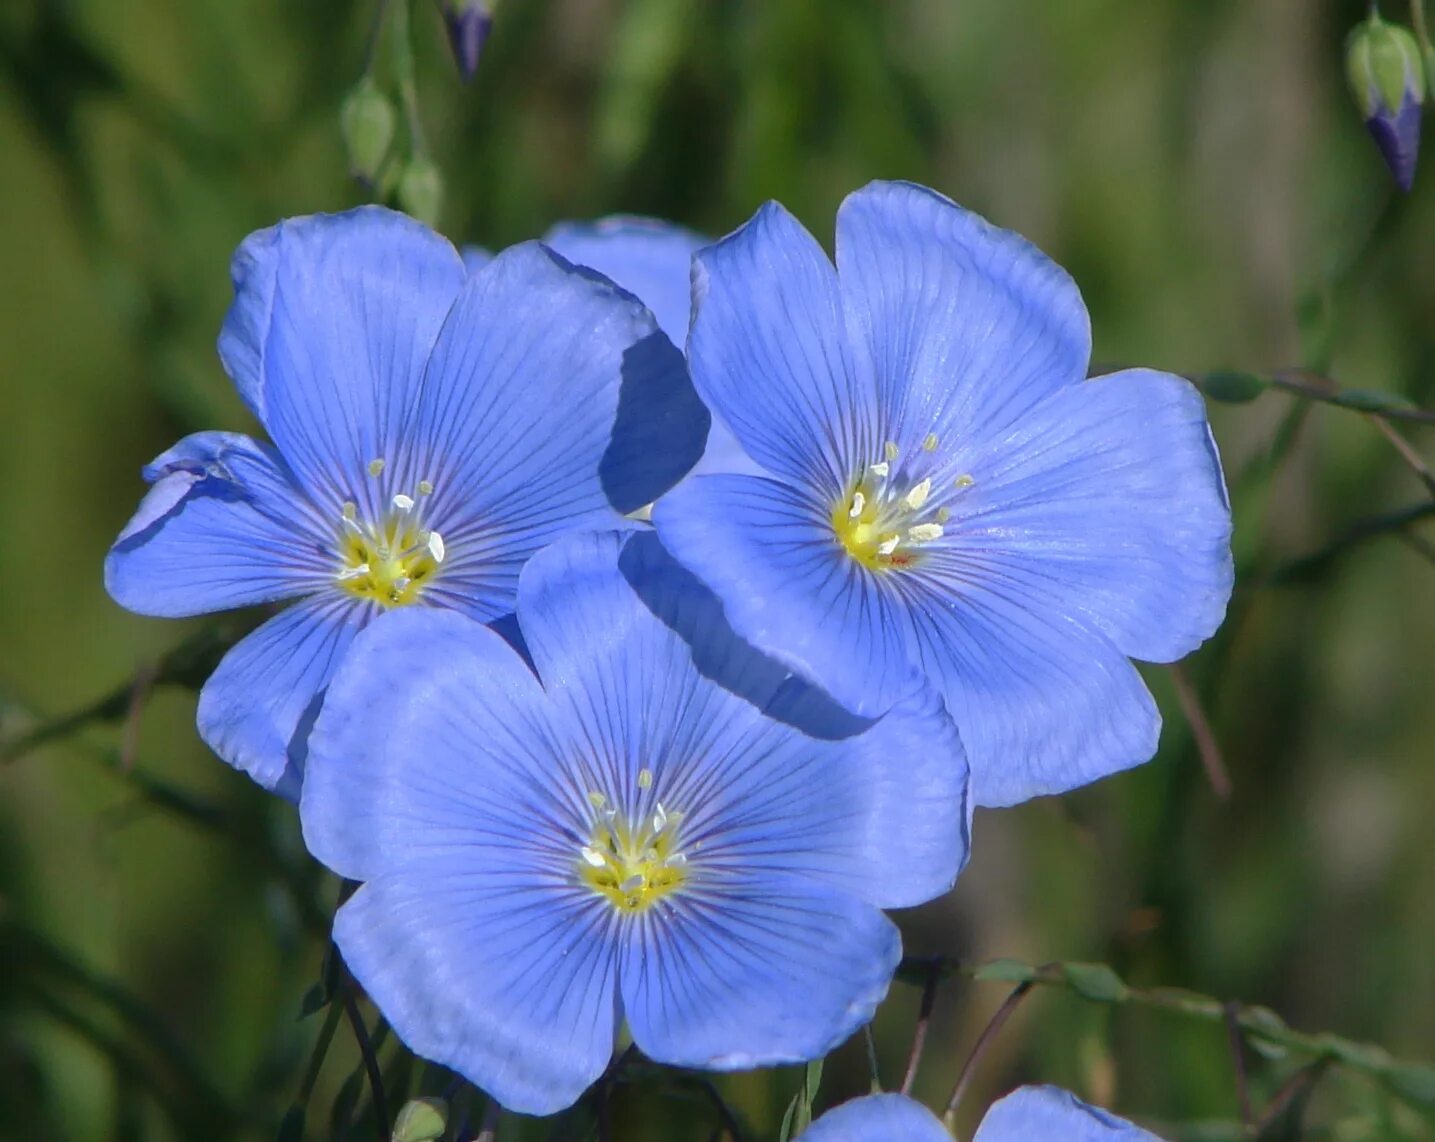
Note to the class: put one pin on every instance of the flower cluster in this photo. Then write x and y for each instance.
(596, 777)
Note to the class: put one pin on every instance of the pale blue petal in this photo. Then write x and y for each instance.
(333, 320)
(474, 258)
(789, 588)
(754, 972)
(966, 326)
(649, 258)
(769, 353)
(1044, 704)
(636, 652)
(491, 972)
(552, 403)
(882, 1118)
(1106, 503)
(1038, 1113)
(434, 737)
(224, 526)
(257, 708)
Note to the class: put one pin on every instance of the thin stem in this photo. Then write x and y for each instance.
(371, 1064)
(404, 74)
(1318, 387)
(320, 1052)
(1238, 1060)
(924, 1018)
(1207, 746)
(1412, 458)
(984, 1040)
(1300, 1083)
(1422, 32)
(488, 1129)
(872, 1068)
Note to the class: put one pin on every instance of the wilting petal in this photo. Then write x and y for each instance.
(224, 526)
(259, 705)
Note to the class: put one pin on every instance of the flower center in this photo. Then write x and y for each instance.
(884, 520)
(391, 559)
(632, 863)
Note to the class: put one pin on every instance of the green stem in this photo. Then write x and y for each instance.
(1422, 33)
(404, 75)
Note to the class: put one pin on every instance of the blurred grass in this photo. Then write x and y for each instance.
(1194, 163)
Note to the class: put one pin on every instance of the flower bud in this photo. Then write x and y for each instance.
(1387, 75)
(421, 1120)
(366, 122)
(421, 190)
(469, 22)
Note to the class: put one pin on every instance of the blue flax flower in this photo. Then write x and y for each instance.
(946, 494)
(1031, 1114)
(662, 828)
(431, 429)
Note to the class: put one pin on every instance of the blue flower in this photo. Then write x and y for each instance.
(662, 829)
(431, 429)
(1031, 1114)
(946, 495)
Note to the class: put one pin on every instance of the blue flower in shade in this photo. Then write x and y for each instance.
(1031, 1114)
(946, 494)
(652, 260)
(431, 429)
(663, 829)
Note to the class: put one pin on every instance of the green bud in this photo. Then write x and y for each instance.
(367, 122)
(422, 1120)
(421, 190)
(1383, 62)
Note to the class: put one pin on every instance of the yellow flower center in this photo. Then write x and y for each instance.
(883, 522)
(632, 863)
(389, 560)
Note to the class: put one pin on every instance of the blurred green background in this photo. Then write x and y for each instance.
(1196, 164)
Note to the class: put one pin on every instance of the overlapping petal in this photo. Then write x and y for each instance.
(223, 526)
(770, 354)
(1045, 1112)
(789, 588)
(881, 1118)
(257, 708)
(333, 321)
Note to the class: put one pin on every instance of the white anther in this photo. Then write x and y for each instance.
(354, 572)
(660, 819)
(645, 779)
(376, 466)
(918, 495)
(890, 450)
(593, 857)
(880, 469)
(435, 545)
(404, 503)
(596, 799)
(401, 583)
(350, 512)
(425, 487)
(859, 502)
(887, 546)
(930, 444)
(677, 859)
(633, 883)
(924, 532)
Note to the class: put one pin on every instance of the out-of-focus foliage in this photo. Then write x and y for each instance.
(1196, 164)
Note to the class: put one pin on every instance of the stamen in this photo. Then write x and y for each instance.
(859, 501)
(593, 857)
(354, 572)
(887, 546)
(401, 584)
(404, 503)
(891, 450)
(930, 444)
(596, 799)
(660, 819)
(918, 495)
(351, 511)
(944, 514)
(645, 779)
(376, 466)
(964, 481)
(924, 532)
(425, 488)
(881, 469)
(435, 546)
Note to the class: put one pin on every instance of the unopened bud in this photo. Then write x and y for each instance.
(421, 190)
(1387, 76)
(469, 22)
(366, 121)
(421, 1120)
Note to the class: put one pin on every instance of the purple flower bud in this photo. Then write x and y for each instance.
(469, 22)
(1387, 77)
(1397, 134)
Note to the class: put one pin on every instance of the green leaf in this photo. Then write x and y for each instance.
(1095, 981)
(1367, 400)
(1415, 1081)
(1231, 386)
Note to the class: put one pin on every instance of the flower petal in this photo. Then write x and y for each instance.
(333, 320)
(432, 737)
(552, 403)
(882, 1118)
(258, 706)
(649, 258)
(769, 354)
(479, 967)
(1106, 503)
(636, 652)
(1043, 703)
(789, 588)
(1038, 1112)
(966, 326)
(756, 972)
(224, 526)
